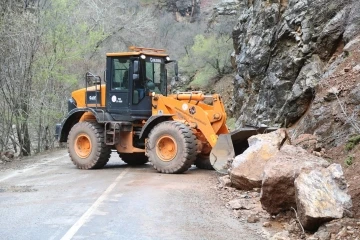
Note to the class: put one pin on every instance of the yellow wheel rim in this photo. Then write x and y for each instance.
(82, 145)
(166, 148)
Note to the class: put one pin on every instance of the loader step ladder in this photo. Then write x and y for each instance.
(113, 130)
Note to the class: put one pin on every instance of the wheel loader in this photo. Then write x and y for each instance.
(131, 112)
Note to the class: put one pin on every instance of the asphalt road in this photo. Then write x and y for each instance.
(48, 198)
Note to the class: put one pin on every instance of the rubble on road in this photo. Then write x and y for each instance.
(299, 190)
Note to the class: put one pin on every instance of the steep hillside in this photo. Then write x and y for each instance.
(298, 66)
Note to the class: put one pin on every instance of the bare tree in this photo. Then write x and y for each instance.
(18, 49)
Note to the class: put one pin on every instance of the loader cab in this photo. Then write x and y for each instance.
(130, 80)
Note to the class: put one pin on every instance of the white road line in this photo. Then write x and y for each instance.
(85, 217)
(30, 168)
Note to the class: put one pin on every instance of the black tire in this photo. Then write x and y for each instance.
(134, 159)
(183, 153)
(92, 134)
(203, 162)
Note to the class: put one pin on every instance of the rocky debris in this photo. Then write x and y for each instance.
(247, 168)
(242, 203)
(284, 235)
(278, 190)
(225, 181)
(321, 196)
(345, 228)
(238, 204)
(253, 219)
(266, 224)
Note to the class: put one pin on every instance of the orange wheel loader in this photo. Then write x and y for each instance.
(132, 113)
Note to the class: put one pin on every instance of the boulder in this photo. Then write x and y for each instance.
(247, 168)
(321, 196)
(278, 190)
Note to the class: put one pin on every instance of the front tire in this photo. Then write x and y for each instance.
(86, 146)
(134, 159)
(172, 147)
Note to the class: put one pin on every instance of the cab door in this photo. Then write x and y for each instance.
(118, 85)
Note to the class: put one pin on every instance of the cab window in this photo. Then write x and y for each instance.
(120, 74)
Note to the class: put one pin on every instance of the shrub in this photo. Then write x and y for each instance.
(349, 161)
(352, 142)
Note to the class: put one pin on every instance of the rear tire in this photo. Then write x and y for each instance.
(86, 146)
(172, 147)
(203, 162)
(134, 159)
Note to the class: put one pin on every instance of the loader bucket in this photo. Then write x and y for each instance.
(222, 153)
(230, 145)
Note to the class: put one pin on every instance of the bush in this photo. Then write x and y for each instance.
(352, 142)
(349, 161)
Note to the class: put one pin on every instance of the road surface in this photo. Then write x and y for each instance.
(48, 198)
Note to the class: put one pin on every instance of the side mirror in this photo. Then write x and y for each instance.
(176, 70)
(136, 70)
(136, 67)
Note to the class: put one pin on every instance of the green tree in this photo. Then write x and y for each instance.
(208, 57)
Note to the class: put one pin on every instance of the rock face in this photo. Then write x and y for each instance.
(247, 168)
(282, 48)
(325, 117)
(278, 190)
(321, 196)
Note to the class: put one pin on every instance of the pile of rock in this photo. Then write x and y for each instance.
(290, 178)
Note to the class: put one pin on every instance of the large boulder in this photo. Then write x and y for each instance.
(278, 190)
(321, 196)
(247, 168)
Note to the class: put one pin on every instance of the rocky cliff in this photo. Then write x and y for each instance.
(286, 52)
